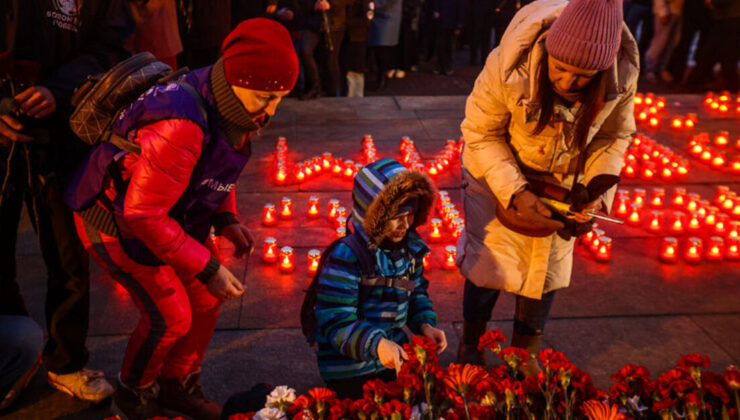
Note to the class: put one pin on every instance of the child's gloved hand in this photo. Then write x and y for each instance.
(391, 355)
(435, 334)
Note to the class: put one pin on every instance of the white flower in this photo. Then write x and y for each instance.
(270, 414)
(281, 395)
(418, 411)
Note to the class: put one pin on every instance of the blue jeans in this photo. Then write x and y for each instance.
(530, 315)
(22, 340)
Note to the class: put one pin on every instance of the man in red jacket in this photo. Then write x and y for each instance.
(151, 226)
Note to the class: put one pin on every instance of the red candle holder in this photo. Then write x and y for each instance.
(732, 249)
(711, 217)
(715, 248)
(708, 98)
(694, 222)
(426, 260)
(657, 198)
(694, 250)
(639, 99)
(327, 160)
(307, 168)
(678, 223)
(340, 232)
(349, 168)
(604, 252)
(313, 207)
(734, 165)
(314, 256)
(666, 172)
(654, 122)
(720, 194)
(446, 209)
(736, 211)
(281, 175)
(703, 208)
(342, 212)
(286, 208)
(287, 259)
(635, 217)
(443, 201)
(333, 206)
(458, 226)
(435, 230)
(431, 168)
(692, 202)
(269, 215)
(451, 216)
(718, 160)
(629, 171)
(669, 250)
(340, 222)
(722, 139)
(655, 221)
(337, 167)
(638, 197)
(729, 203)
(682, 170)
(622, 206)
(450, 257)
(696, 149)
(722, 224)
(588, 237)
(677, 122)
(679, 198)
(596, 241)
(269, 250)
(733, 229)
(299, 171)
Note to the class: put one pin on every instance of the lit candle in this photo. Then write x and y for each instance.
(340, 232)
(677, 122)
(732, 249)
(269, 250)
(300, 174)
(708, 98)
(287, 259)
(639, 99)
(642, 116)
(649, 98)
(706, 155)
(678, 222)
(307, 168)
(661, 102)
(720, 194)
(341, 211)
(729, 202)
(336, 169)
(286, 208)
(679, 198)
(722, 224)
(722, 139)
(431, 168)
(736, 211)
(333, 206)
(327, 160)
(669, 250)
(282, 141)
(715, 248)
(596, 241)
(634, 218)
(589, 236)
(694, 250)
(269, 215)
(435, 233)
(604, 252)
(666, 172)
(629, 171)
(638, 196)
(692, 202)
(682, 169)
(458, 226)
(340, 222)
(734, 165)
(313, 207)
(314, 256)
(655, 221)
(450, 256)
(426, 260)
(654, 122)
(349, 168)
(718, 160)
(696, 149)
(451, 216)
(281, 174)
(657, 197)
(622, 206)
(733, 229)
(702, 208)
(446, 209)
(694, 223)
(711, 217)
(648, 171)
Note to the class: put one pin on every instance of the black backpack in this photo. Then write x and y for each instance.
(369, 278)
(99, 99)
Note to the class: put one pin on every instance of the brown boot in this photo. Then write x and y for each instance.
(138, 403)
(530, 343)
(467, 351)
(186, 396)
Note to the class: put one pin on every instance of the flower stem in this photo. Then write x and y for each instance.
(737, 403)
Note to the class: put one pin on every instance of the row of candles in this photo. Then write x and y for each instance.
(411, 158)
(722, 103)
(691, 214)
(648, 107)
(649, 160)
(712, 151)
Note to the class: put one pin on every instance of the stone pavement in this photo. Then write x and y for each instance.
(631, 310)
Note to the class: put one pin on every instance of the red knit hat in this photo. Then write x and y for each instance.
(587, 34)
(258, 54)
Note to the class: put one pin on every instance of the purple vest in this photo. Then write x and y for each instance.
(214, 175)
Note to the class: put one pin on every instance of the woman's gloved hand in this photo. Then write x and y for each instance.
(391, 354)
(531, 210)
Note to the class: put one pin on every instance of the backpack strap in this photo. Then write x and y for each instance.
(369, 277)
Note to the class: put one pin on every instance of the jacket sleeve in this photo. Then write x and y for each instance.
(485, 129)
(169, 152)
(605, 152)
(117, 25)
(225, 214)
(421, 310)
(336, 308)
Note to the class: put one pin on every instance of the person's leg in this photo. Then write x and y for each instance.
(11, 301)
(657, 47)
(673, 38)
(729, 54)
(529, 321)
(478, 303)
(335, 72)
(309, 42)
(21, 340)
(706, 55)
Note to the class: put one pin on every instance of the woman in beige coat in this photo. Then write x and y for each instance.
(560, 85)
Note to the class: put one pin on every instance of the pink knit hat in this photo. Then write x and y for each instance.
(587, 34)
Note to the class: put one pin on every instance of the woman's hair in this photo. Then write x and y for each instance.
(592, 103)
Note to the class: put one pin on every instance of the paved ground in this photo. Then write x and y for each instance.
(631, 310)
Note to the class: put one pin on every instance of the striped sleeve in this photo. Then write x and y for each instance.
(421, 310)
(337, 305)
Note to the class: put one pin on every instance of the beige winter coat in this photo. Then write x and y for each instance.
(499, 150)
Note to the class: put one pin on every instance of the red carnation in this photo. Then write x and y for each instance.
(693, 360)
(732, 377)
(241, 416)
(664, 404)
(396, 407)
(631, 372)
(491, 340)
(514, 356)
(340, 409)
(554, 359)
(366, 406)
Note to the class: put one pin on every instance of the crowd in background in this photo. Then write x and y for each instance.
(344, 43)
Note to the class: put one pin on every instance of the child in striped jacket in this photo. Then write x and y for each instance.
(362, 319)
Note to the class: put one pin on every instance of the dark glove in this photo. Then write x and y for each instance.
(574, 229)
(578, 197)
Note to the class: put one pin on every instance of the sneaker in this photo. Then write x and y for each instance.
(138, 403)
(186, 396)
(400, 74)
(666, 76)
(85, 384)
(390, 73)
(449, 72)
(435, 71)
(414, 68)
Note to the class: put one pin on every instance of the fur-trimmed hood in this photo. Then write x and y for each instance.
(379, 190)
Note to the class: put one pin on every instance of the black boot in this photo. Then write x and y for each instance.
(530, 343)
(186, 397)
(467, 351)
(138, 403)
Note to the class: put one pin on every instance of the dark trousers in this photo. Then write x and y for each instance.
(480, 41)
(352, 387)
(408, 54)
(721, 46)
(22, 339)
(67, 305)
(310, 42)
(445, 45)
(530, 315)
(696, 19)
